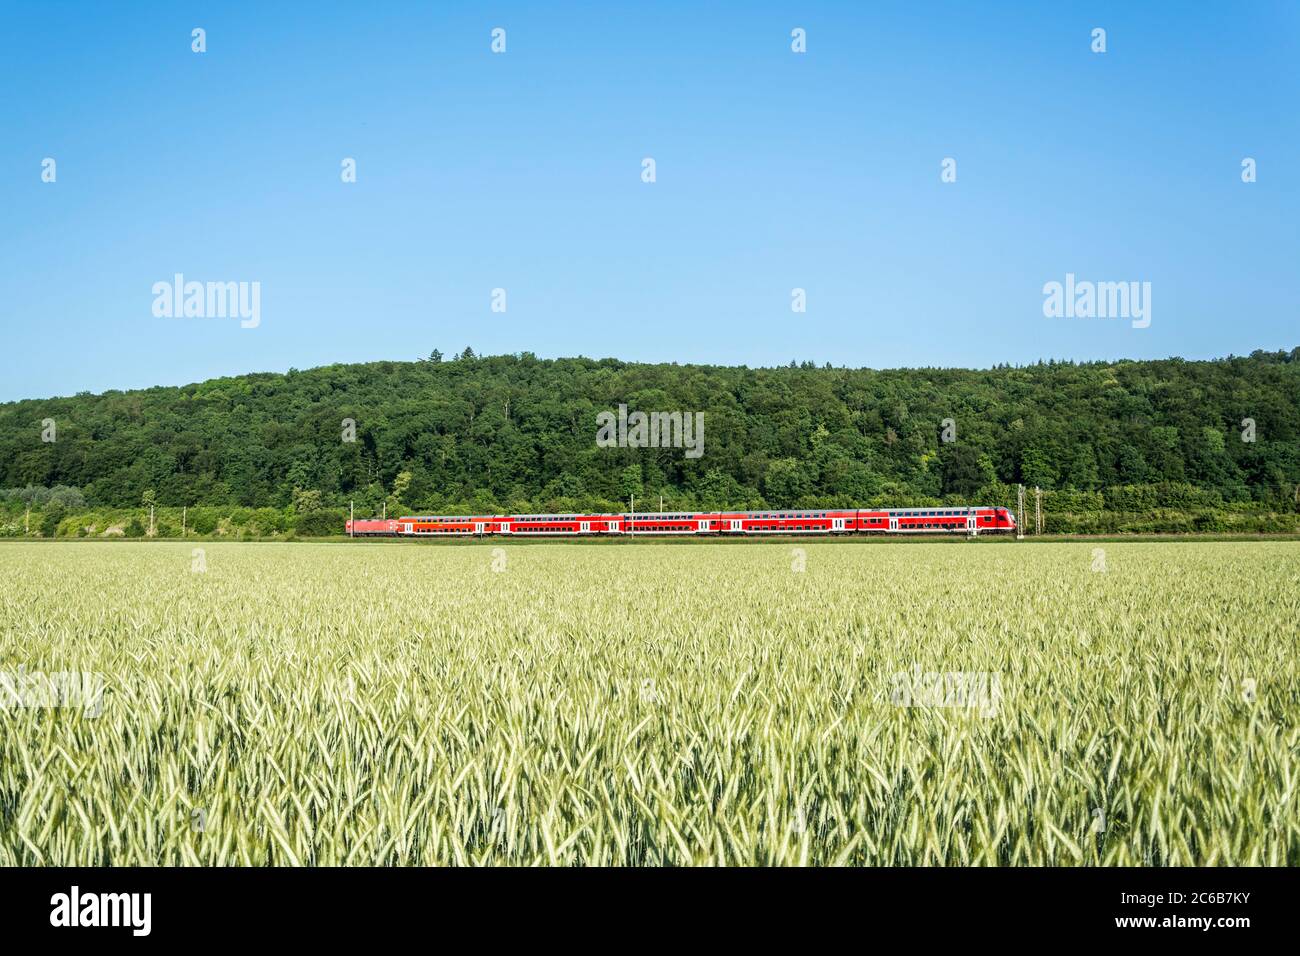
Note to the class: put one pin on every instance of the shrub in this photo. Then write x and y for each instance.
(50, 520)
(203, 520)
(326, 521)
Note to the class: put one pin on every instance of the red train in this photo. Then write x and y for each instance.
(972, 521)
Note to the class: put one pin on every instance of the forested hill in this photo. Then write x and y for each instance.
(515, 433)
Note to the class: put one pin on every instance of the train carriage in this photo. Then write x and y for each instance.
(684, 522)
(525, 525)
(442, 525)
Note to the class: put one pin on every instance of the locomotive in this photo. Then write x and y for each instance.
(971, 521)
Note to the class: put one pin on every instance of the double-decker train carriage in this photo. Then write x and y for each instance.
(682, 522)
(451, 525)
(526, 525)
(971, 521)
(788, 522)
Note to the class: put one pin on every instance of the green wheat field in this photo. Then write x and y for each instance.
(650, 704)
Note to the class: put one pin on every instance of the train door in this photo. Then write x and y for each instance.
(893, 523)
(702, 525)
(586, 526)
(612, 526)
(837, 524)
(406, 528)
(735, 523)
(971, 518)
(479, 526)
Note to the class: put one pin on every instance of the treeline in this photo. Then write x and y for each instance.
(1197, 442)
(1141, 509)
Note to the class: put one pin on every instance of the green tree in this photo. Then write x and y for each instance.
(787, 483)
(630, 481)
(306, 501)
(397, 497)
(53, 514)
(963, 473)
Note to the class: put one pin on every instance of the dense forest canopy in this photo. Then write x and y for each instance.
(514, 432)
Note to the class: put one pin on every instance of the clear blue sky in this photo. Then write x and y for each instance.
(522, 171)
